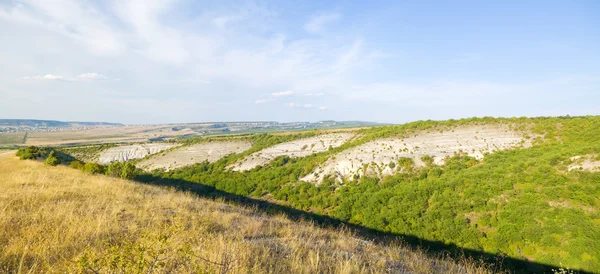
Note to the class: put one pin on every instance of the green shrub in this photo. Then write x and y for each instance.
(93, 168)
(76, 164)
(52, 160)
(128, 171)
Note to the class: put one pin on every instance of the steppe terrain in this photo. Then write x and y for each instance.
(197, 153)
(523, 190)
(60, 220)
(297, 148)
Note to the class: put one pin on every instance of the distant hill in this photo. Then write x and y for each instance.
(50, 123)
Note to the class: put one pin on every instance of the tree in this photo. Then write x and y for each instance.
(128, 171)
(115, 169)
(93, 168)
(52, 160)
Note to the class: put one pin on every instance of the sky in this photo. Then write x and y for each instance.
(151, 61)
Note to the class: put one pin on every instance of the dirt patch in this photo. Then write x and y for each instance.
(297, 148)
(590, 162)
(374, 158)
(570, 205)
(189, 155)
(130, 152)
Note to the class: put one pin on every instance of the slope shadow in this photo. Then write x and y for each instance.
(504, 263)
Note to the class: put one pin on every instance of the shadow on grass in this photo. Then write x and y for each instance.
(432, 247)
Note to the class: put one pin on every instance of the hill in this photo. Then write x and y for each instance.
(50, 123)
(521, 190)
(58, 219)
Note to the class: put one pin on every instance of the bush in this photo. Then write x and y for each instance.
(30, 152)
(93, 168)
(52, 160)
(114, 169)
(76, 164)
(129, 171)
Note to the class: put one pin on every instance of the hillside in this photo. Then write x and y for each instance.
(50, 123)
(58, 219)
(522, 190)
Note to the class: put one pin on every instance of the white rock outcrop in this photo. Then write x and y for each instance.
(130, 152)
(297, 148)
(374, 157)
(189, 155)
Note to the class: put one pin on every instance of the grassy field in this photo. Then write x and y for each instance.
(58, 219)
(15, 138)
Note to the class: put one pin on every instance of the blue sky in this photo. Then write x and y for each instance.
(149, 61)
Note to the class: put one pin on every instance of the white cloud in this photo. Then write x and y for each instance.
(45, 77)
(319, 94)
(91, 76)
(283, 93)
(316, 24)
(322, 108)
(262, 101)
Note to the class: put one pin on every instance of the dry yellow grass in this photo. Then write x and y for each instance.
(57, 219)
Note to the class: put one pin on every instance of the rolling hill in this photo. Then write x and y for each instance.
(524, 191)
(58, 219)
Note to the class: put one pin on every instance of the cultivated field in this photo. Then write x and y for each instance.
(105, 135)
(189, 155)
(60, 220)
(15, 138)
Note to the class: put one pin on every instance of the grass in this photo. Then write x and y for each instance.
(15, 138)
(58, 219)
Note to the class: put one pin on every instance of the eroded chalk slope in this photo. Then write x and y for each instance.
(130, 152)
(189, 155)
(374, 157)
(297, 148)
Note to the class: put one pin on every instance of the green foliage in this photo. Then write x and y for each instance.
(31, 153)
(129, 171)
(520, 203)
(51, 159)
(93, 168)
(77, 165)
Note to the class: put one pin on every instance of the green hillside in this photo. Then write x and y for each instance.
(523, 204)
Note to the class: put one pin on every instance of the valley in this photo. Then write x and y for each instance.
(525, 189)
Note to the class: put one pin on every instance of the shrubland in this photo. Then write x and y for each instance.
(505, 204)
(61, 220)
(522, 204)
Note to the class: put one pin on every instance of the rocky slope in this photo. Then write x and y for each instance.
(130, 152)
(189, 155)
(297, 148)
(374, 157)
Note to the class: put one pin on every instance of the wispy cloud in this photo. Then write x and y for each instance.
(294, 105)
(306, 106)
(317, 23)
(283, 93)
(262, 101)
(91, 76)
(50, 77)
(319, 94)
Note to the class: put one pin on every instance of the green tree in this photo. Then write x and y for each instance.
(52, 160)
(128, 171)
